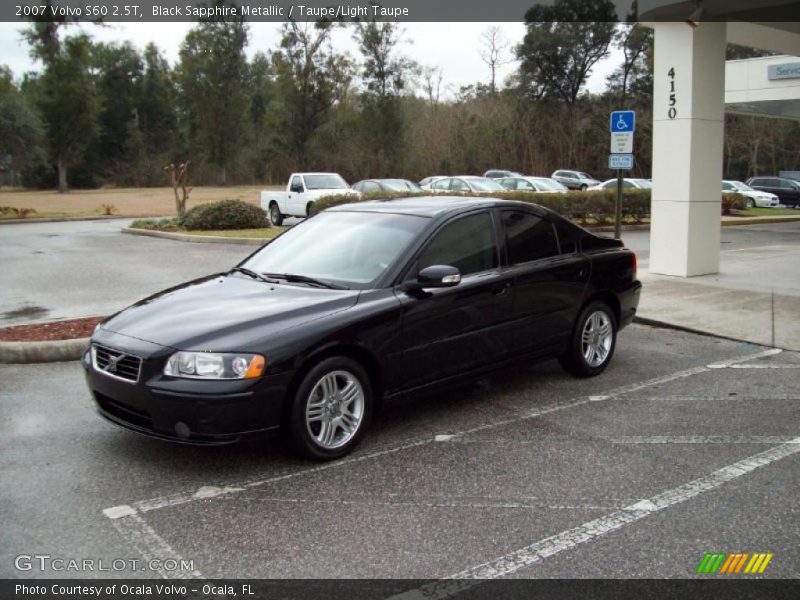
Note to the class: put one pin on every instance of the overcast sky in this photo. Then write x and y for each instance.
(454, 47)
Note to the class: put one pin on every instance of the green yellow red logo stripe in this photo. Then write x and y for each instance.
(734, 563)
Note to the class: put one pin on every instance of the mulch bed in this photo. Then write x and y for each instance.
(55, 330)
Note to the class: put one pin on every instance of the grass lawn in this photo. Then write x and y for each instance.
(258, 234)
(128, 202)
(768, 212)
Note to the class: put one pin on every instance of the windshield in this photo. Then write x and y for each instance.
(350, 249)
(325, 182)
(480, 184)
(738, 185)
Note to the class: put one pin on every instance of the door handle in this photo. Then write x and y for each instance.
(501, 288)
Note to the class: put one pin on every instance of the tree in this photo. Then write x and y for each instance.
(562, 44)
(212, 74)
(21, 131)
(310, 78)
(119, 79)
(385, 76)
(634, 76)
(157, 110)
(69, 104)
(493, 50)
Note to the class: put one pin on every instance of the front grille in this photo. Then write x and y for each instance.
(116, 364)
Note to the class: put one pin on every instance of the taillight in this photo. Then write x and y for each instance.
(633, 262)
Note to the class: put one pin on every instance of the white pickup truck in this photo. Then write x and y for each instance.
(301, 192)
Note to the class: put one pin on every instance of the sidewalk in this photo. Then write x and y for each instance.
(755, 297)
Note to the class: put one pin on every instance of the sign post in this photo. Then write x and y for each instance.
(622, 124)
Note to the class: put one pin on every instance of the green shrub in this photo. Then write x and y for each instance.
(225, 214)
(591, 207)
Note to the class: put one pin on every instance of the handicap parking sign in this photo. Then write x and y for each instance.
(622, 121)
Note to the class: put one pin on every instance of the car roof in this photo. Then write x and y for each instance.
(429, 206)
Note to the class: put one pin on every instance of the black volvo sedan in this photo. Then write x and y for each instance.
(361, 303)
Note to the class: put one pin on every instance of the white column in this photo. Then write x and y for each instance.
(688, 129)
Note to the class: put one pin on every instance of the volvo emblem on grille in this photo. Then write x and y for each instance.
(111, 366)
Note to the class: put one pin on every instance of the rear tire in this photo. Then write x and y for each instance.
(593, 341)
(331, 409)
(275, 216)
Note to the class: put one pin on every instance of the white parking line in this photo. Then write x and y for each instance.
(726, 364)
(152, 546)
(706, 439)
(538, 551)
(128, 521)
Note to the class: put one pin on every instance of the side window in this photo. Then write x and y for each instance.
(297, 184)
(528, 237)
(371, 186)
(457, 185)
(467, 244)
(525, 185)
(441, 184)
(727, 187)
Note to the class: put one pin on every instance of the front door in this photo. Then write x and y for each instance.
(448, 331)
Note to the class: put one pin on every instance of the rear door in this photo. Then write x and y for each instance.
(448, 331)
(548, 281)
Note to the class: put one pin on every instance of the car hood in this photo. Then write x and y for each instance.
(226, 313)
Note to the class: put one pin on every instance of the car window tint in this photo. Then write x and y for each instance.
(727, 186)
(297, 183)
(528, 237)
(441, 184)
(467, 244)
(457, 185)
(524, 185)
(371, 186)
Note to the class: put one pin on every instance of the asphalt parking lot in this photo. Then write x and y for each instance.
(686, 445)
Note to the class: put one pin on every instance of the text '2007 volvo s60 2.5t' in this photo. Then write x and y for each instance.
(360, 303)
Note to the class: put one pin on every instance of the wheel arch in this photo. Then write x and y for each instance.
(608, 298)
(353, 351)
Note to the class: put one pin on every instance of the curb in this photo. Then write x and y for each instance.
(198, 239)
(674, 327)
(60, 219)
(42, 352)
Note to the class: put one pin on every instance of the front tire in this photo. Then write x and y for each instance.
(331, 409)
(309, 208)
(275, 216)
(584, 187)
(750, 203)
(593, 341)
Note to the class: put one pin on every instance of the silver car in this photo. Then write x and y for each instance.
(467, 183)
(575, 180)
(533, 184)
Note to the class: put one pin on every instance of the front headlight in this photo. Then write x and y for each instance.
(213, 365)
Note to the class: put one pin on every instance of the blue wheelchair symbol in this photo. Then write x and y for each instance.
(622, 120)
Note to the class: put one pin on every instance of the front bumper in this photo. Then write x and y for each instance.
(188, 411)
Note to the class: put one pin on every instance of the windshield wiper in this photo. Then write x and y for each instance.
(303, 279)
(252, 274)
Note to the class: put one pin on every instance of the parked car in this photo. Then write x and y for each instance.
(301, 192)
(532, 184)
(627, 183)
(361, 302)
(386, 185)
(574, 180)
(500, 174)
(753, 198)
(787, 190)
(467, 183)
(426, 183)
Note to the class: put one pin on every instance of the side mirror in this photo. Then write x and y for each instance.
(436, 276)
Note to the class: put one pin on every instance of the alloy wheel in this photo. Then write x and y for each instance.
(335, 409)
(597, 338)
